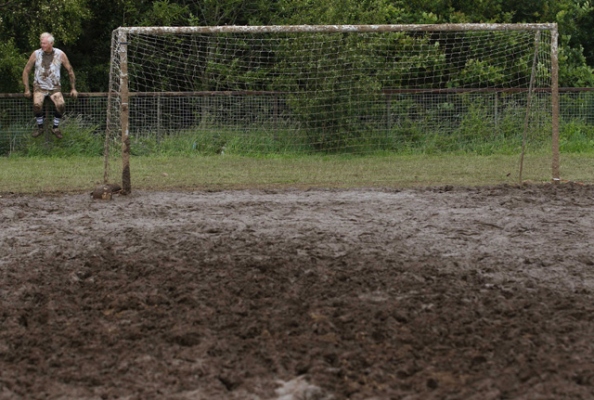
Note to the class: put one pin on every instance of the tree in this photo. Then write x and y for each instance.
(575, 21)
(91, 56)
(11, 66)
(83, 28)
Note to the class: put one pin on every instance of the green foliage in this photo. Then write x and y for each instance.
(467, 125)
(84, 28)
(207, 142)
(574, 72)
(230, 12)
(335, 107)
(575, 19)
(165, 13)
(29, 18)
(576, 137)
(11, 67)
(295, 12)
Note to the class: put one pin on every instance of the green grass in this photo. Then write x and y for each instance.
(193, 161)
(81, 174)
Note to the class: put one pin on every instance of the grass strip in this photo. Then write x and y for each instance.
(79, 174)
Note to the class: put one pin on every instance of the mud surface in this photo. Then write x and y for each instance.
(443, 293)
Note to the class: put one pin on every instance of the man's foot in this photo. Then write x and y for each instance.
(38, 131)
(57, 133)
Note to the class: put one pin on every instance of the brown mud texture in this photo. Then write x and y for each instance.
(433, 293)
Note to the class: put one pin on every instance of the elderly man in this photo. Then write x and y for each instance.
(46, 82)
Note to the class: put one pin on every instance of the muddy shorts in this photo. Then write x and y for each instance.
(40, 94)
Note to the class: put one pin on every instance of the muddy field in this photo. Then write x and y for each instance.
(441, 293)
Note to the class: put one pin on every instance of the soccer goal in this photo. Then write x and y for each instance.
(335, 90)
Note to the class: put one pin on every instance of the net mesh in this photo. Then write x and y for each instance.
(334, 93)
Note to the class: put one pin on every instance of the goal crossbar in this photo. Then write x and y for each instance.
(148, 30)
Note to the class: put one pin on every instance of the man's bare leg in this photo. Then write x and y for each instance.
(60, 107)
(38, 97)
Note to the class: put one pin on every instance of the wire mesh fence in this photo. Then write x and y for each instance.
(17, 120)
(261, 122)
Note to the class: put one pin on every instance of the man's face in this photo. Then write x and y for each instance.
(46, 45)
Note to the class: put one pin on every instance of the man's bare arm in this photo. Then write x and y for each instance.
(26, 73)
(68, 67)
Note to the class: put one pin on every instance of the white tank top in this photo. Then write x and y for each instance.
(47, 69)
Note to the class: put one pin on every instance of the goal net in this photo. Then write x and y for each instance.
(334, 90)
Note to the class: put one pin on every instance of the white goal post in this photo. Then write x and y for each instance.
(333, 88)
